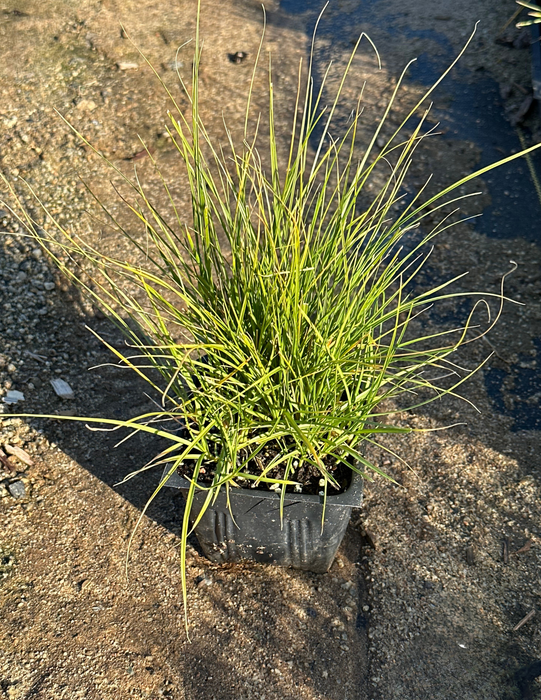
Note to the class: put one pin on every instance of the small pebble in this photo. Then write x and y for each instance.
(85, 105)
(13, 396)
(127, 65)
(237, 57)
(19, 453)
(17, 489)
(203, 581)
(62, 388)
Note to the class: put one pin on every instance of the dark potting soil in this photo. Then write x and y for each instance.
(309, 478)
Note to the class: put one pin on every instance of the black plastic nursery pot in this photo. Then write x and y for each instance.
(257, 533)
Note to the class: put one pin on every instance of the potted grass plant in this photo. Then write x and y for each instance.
(276, 322)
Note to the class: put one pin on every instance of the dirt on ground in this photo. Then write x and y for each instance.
(432, 593)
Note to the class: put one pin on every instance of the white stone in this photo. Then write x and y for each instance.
(13, 397)
(62, 388)
(86, 105)
(127, 65)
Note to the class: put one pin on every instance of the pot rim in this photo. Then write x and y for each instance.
(350, 498)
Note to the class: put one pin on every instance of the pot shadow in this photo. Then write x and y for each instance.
(298, 625)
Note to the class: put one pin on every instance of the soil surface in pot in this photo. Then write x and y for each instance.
(306, 475)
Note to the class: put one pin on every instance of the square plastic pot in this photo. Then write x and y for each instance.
(259, 534)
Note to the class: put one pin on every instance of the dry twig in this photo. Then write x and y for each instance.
(524, 620)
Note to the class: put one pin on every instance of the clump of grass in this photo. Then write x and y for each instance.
(281, 313)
